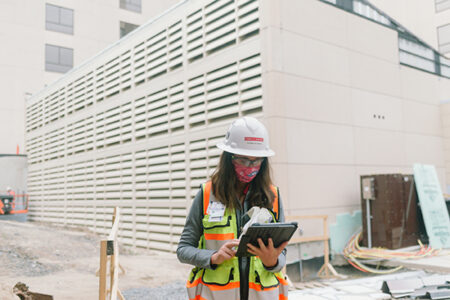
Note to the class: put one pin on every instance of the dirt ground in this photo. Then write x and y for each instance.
(62, 262)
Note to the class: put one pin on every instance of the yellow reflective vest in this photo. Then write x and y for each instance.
(223, 282)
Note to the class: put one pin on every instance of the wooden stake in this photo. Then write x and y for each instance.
(102, 270)
(326, 268)
(109, 249)
(114, 272)
(120, 295)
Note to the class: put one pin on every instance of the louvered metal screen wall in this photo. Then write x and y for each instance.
(139, 128)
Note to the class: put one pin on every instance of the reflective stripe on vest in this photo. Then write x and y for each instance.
(213, 232)
(207, 187)
(223, 282)
(276, 206)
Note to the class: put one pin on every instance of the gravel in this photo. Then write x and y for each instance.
(172, 291)
(21, 262)
(37, 249)
(62, 261)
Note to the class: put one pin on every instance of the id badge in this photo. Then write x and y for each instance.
(216, 210)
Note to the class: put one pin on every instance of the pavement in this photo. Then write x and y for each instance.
(436, 264)
(369, 288)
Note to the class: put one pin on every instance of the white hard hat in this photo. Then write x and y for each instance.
(247, 136)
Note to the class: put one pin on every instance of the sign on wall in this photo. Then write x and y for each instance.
(433, 206)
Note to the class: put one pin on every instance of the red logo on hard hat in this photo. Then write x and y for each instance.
(253, 139)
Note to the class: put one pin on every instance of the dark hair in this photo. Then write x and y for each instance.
(224, 184)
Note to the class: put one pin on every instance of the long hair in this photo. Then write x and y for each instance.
(224, 184)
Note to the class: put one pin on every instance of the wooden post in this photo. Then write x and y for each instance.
(110, 249)
(114, 215)
(327, 267)
(326, 246)
(115, 273)
(102, 270)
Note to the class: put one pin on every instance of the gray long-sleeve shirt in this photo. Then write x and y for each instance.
(188, 251)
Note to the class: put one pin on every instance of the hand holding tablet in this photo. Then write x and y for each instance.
(278, 232)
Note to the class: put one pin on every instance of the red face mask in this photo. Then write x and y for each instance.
(245, 174)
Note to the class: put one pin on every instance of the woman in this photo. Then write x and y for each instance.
(209, 239)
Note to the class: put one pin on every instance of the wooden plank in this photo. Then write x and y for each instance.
(326, 249)
(295, 218)
(102, 271)
(114, 267)
(115, 221)
(308, 239)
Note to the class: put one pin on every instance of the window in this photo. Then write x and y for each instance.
(58, 19)
(444, 38)
(126, 28)
(345, 4)
(58, 59)
(133, 5)
(442, 5)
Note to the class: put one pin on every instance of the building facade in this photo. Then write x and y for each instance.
(344, 94)
(429, 20)
(443, 26)
(41, 40)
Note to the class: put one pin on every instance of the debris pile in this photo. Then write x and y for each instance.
(22, 291)
(429, 287)
(407, 285)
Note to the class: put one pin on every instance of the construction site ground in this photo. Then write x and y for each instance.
(63, 262)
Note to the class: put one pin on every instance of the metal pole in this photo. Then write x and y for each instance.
(300, 266)
(369, 229)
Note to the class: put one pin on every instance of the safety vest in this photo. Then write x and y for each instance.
(223, 283)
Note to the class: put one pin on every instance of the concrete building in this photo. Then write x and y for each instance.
(429, 20)
(344, 91)
(41, 40)
(443, 26)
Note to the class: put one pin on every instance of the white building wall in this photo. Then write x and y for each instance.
(137, 125)
(16, 177)
(339, 105)
(419, 16)
(443, 26)
(22, 55)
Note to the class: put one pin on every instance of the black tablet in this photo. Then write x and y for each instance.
(279, 232)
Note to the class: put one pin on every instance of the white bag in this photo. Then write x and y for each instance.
(257, 215)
